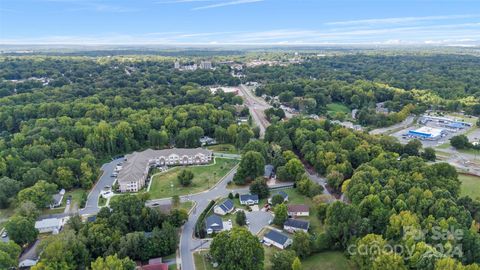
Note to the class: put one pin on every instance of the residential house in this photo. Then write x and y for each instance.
(205, 140)
(226, 207)
(50, 225)
(298, 210)
(294, 225)
(213, 224)
(30, 256)
(248, 199)
(281, 193)
(268, 171)
(57, 199)
(277, 239)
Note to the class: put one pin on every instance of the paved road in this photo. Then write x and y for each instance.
(404, 124)
(189, 244)
(257, 106)
(91, 207)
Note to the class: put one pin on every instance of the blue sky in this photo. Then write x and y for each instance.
(240, 22)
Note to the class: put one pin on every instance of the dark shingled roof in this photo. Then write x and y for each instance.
(277, 237)
(227, 205)
(246, 197)
(297, 223)
(214, 222)
(268, 170)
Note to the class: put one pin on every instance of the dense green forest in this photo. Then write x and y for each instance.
(93, 109)
(449, 82)
(389, 188)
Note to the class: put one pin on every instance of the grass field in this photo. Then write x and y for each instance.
(470, 185)
(295, 198)
(223, 148)
(337, 107)
(200, 262)
(332, 260)
(166, 185)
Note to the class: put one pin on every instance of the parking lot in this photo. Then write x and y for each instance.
(404, 136)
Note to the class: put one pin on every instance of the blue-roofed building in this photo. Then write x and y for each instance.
(281, 193)
(294, 225)
(248, 199)
(226, 207)
(268, 171)
(277, 239)
(213, 224)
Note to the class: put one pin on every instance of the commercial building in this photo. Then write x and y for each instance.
(134, 172)
(428, 133)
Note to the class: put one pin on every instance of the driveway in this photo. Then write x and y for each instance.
(91, 207)
(258, 220)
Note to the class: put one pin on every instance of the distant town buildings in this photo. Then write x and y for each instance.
(194, 66)
(133, 174)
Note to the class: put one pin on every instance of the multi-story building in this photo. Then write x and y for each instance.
(134, 172)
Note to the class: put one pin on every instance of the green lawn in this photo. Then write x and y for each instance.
(337, 107)
(332, 260)
(166, 185)
(76, 197)
(470, 185)
(223, 148)
(296, 198)
(201, 263)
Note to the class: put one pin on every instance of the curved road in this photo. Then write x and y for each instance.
(188, 243)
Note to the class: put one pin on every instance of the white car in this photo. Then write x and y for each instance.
(4, 234)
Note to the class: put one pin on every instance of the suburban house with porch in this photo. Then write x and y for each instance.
(248, 199)
(268, 171)
(57, 199)
(134, 172)
(298, 210)
(213, 224)
(294, 225)
(226, 207)
(277, 239)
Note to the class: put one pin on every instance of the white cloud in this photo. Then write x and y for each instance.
(399, 20)
(230, 3)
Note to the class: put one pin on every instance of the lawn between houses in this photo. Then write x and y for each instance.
(205, 176)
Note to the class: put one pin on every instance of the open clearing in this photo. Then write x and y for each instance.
(470, 185)
(166, 185)
(223, 148)
(337, 107)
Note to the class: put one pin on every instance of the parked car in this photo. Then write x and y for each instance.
(4, 234)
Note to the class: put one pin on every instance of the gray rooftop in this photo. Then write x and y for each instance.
(214, 222)
(268, 170)
(246, 197)
(227, 205)
(277, 237)
(297, 223)
(137, 162)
